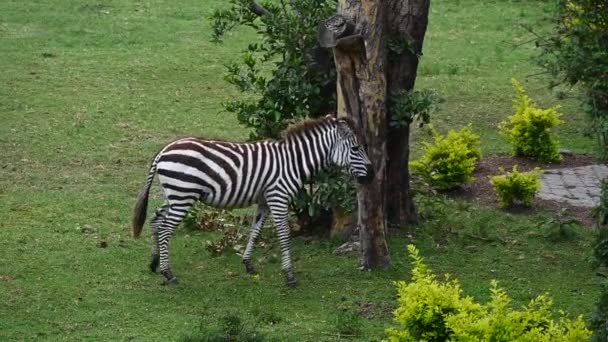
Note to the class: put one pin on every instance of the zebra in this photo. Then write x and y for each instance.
(234, 175)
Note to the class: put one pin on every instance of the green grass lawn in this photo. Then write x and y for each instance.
(90, 90)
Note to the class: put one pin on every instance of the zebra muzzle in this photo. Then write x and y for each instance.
(368, 178)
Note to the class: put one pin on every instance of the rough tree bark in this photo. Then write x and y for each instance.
(407, 23)
(368, 74)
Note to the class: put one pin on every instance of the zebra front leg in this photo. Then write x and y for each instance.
(256, 227)
(279, 211)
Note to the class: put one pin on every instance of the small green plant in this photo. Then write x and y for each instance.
(229, 239)
(514, 186)
(192, 220)
(207, 219)
(529, 129)
(450, 161)
(560, 227)
(231, 329)
(348, 324)
(430, 310)
(268, 317)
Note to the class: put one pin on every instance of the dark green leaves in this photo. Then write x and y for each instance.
(411, 105)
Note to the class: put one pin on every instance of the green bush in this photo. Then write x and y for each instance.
(430, 310)
(450, 161)
(529, 129)
(576, 53)
(284, 77)
(599, 321)
(515, 186)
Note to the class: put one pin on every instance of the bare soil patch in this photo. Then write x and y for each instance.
(481, 190)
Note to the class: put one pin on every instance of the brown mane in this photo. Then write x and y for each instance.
(308, 124)
(351, 123)
(305, 125)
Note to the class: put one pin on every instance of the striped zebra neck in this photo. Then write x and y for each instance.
(310, 150)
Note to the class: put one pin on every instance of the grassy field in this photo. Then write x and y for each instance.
(90, 90)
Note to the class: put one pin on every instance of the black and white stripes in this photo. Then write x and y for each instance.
(232, 175)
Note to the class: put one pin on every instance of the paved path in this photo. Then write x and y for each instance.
(578, 186)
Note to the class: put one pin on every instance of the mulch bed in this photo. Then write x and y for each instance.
(482, 191)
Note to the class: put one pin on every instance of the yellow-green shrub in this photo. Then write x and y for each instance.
(450, 161)
(529, 129)
(425, 304)
(515, 186)
(430, 310)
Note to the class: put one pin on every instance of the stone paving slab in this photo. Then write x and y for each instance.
(578, 186)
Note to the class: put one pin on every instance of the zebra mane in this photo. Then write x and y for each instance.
(308, 124)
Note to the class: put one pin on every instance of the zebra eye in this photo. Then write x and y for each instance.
(355, 148)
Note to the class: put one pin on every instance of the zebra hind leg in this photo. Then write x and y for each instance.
(154, 224)
(256, 227)
(279, 211)
(173, 218)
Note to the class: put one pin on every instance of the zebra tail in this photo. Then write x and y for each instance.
(141, 207)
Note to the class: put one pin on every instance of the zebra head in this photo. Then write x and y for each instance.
(350, 154)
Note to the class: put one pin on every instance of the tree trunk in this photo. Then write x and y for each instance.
(362, 93)
(367, 75)
(407, 23)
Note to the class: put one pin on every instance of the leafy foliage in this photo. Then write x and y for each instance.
(601, 249)
(577, 53)
(601, 212)
(203, 218)
(529, 129)
(516, 187)
(331, 190)
(230, 238)
(410, 105)
(430, 310)
(450, 161)
(285, 75)
(207, 219)
(599, 321)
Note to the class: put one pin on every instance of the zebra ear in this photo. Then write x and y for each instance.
(344, 128)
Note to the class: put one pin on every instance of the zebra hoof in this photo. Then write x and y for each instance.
(249, 267)
(173, 282)
(154, 263)
(291, 282)
(170, 279)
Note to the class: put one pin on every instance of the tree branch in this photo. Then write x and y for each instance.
(259, 10)
(333, 28)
